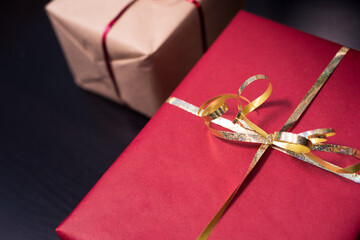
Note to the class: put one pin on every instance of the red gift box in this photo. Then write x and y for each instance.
(175, 175)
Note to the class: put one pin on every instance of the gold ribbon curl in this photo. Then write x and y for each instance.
(298, 145)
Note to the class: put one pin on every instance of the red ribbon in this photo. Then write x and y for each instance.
(105, 50)
(202, 23)
(116, 18)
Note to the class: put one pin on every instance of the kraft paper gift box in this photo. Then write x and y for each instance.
(152, 46)
(173, 178)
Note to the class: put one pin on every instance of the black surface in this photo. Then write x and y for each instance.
(56, 140)
(335, 20)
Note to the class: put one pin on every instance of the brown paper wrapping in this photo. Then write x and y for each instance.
(152, 46)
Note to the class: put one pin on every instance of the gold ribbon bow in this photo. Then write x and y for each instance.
(298, 145)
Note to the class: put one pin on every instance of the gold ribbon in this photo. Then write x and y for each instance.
(298, 145)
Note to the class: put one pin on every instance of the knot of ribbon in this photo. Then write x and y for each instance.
(247, 131)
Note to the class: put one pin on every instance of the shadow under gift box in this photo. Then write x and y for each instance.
(172, 179)
(152, 46)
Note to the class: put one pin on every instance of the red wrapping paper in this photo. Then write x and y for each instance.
(175, 175)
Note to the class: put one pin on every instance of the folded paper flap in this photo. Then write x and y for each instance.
(93, 70)
(173, 177)
(88, 54)
(148, 24)
(85, 23)
(61, 29)
(140, 31)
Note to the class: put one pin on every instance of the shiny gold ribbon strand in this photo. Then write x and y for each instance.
(296, 145)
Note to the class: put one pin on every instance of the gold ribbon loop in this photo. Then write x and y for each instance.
(318, 135)
(292, 142)
(258, 101)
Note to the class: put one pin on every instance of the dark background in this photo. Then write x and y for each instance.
(56, 140)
